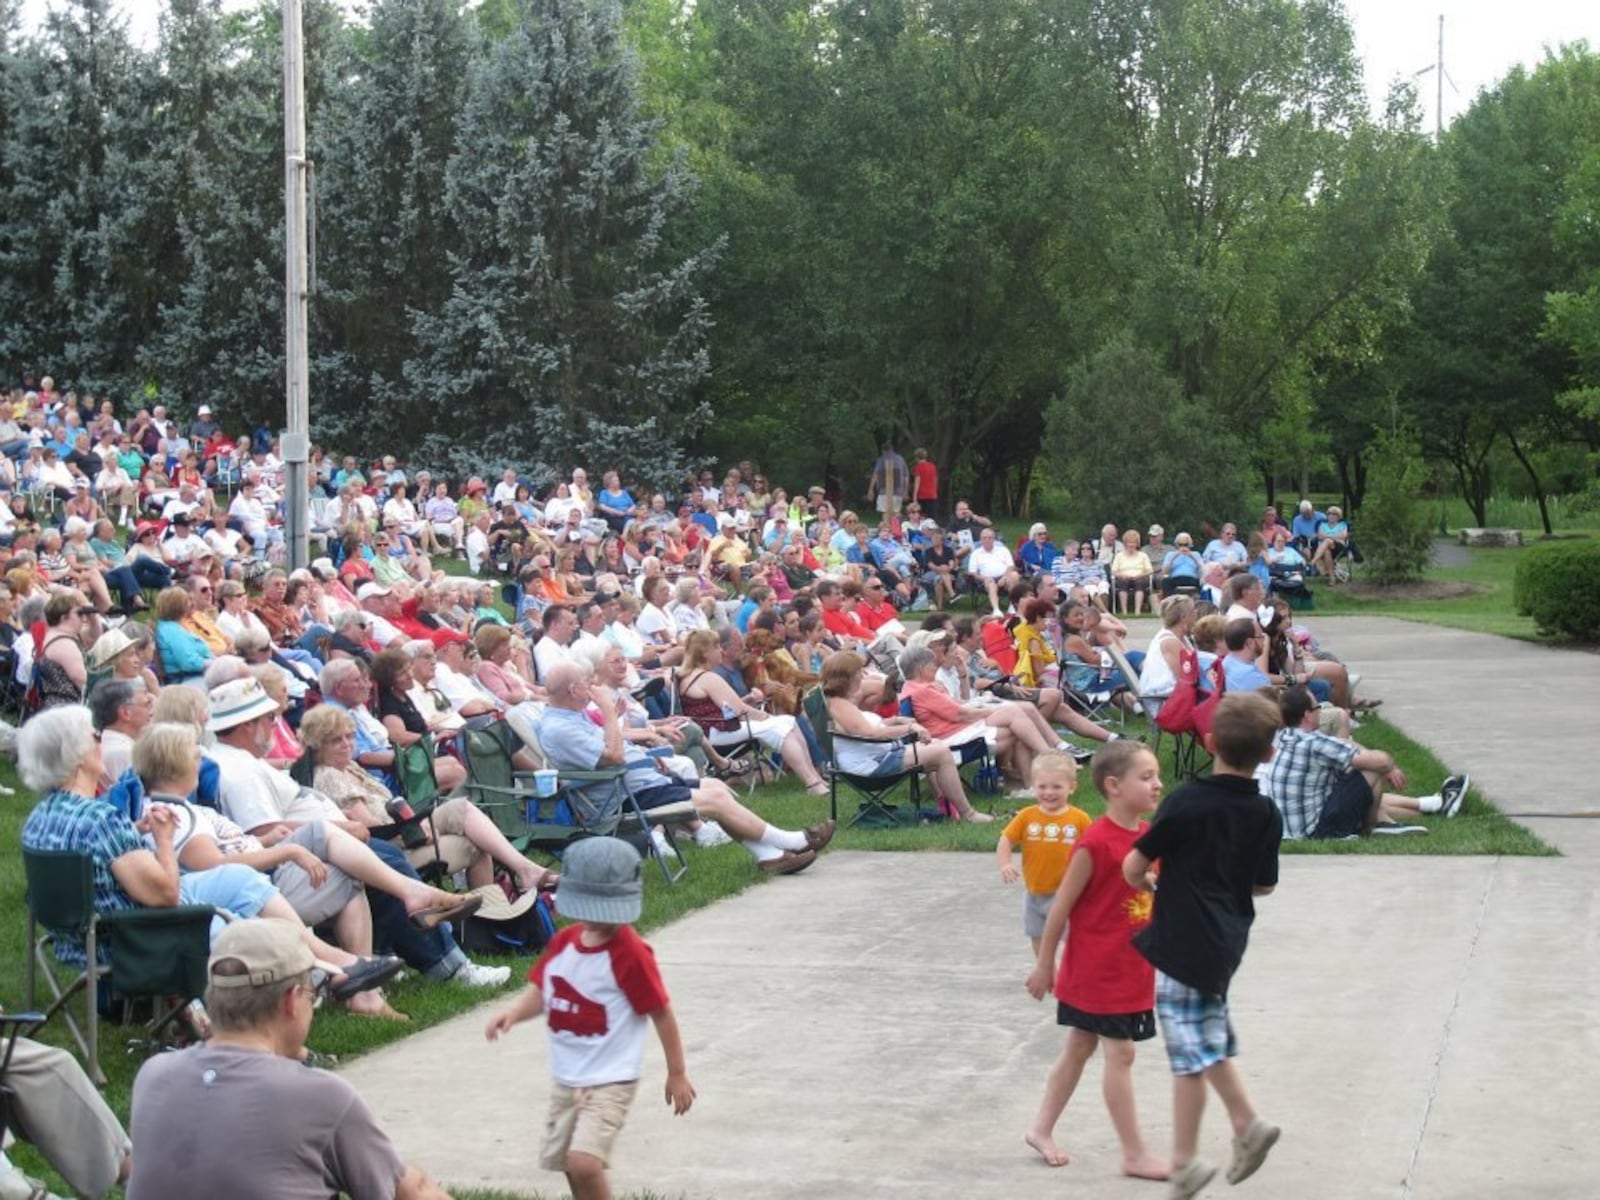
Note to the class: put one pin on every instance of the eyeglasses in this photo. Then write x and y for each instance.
(316, 987)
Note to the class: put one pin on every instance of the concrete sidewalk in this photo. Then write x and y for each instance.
(1420, 1027)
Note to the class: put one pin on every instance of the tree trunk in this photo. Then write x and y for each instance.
(1533, 478)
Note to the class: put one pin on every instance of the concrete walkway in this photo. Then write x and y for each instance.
(1420, 1027)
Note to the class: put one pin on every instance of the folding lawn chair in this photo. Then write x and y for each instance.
(874, 809)
(157, 954)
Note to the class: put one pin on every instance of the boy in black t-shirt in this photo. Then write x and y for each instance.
(1216, 841)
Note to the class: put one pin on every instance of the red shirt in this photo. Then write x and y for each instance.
(1101, 972)
(846, 624)
(927, 477)
(875, 616)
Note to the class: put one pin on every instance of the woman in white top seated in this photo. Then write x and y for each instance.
(899, 743)
(656, 625)
(1158, 676)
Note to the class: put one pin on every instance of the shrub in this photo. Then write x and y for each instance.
(1558, 585)
(1394, 529)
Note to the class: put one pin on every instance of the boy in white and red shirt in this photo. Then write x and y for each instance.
(597, 984)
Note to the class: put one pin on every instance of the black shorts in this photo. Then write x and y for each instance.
(667, 793)
(1347, 807)
(1125, 1027)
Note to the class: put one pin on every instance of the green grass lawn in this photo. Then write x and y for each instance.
(1484, 605)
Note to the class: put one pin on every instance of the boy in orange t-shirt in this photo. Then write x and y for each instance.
(1048, 832)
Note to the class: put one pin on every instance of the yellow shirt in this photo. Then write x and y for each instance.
(1047, 841)
(730, 550)
(1030, 666)
(208, 631)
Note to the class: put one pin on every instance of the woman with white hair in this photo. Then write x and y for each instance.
(133, 860)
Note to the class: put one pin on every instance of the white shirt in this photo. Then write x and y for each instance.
(253, 793)
(382, 631)
(461, 690)
(548, 653)
(224, 542)
(477, 549)
(183, 549)
(504, 491)
(989, 564)
(653, 621)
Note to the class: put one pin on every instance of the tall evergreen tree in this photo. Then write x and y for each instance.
(568, 334)
(385, 233)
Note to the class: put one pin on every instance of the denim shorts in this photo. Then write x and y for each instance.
(1194, 1026)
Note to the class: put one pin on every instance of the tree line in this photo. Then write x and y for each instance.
(1128, 251)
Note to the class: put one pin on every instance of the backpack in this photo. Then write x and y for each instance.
(1185, 711)
(520, 927)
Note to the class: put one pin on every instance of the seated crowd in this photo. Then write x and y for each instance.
(240, 744)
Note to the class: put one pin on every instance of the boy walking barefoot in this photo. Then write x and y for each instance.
(597, 982)
(1216, 841)
(1048, 831)
(1105, 988)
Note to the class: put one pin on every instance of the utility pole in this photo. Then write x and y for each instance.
(1438, 83)
(296, 434)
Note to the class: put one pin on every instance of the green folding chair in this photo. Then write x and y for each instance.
(155, 953)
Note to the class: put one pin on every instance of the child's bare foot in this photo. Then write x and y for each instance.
(1146, 1166)
(1052, 1154)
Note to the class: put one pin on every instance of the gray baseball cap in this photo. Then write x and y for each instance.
(601, 880)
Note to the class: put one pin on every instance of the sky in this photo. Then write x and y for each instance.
(1483, 39)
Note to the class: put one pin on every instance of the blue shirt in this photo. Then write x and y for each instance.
(1304, 526)
(1228, 553)
(1181, 564)
(1037, 557)
(622, 499)
(92, 827)
(573, 742)
(1243, 676)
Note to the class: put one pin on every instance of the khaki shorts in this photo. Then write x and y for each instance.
(584, 1121)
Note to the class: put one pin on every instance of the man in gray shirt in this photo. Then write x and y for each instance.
(197, 1114)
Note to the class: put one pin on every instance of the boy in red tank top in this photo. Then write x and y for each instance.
(1105, 990)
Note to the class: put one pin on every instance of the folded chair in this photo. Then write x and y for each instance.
(155, 953)
(874, 791)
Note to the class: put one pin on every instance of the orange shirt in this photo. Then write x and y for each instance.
(1047, 841)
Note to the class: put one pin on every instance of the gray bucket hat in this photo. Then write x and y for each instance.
(601, 880)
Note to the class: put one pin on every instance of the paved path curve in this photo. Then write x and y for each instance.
(1422, 1028)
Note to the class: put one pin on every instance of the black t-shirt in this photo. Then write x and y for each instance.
(944, 557)
(397, 704)
(1216, 840)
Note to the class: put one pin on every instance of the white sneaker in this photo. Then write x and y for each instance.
(473, 975)
(14, 1185)
(711, 834)
(1355, 681)
(664, 848)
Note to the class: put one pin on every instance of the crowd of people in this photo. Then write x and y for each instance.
(239, 744)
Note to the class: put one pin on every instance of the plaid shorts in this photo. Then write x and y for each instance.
(1194, 1026)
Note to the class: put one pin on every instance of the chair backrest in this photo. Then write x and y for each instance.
(160, 951)
(907, 709)
(816, 709)
(414, 771)
(60, 890)
(1129, 675)
(488, 756)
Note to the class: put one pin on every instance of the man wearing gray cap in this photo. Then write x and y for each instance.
(199, 1126)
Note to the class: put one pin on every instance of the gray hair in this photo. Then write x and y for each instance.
(52, 746)
(242, 1009)
(589, 652)
(31, 611)
(687, 591)
(913, 659)
(336, 671)
(108, 696)
(250, 640)
(225, 669)
(417, 647)
(165, 751)
(349, 617)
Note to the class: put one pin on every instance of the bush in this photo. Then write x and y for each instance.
(1558, 585)
(1395, 529)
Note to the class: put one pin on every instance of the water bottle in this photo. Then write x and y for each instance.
(399, 810)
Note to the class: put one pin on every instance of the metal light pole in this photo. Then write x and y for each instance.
(296, 435)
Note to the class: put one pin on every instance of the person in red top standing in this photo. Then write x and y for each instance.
(1105, 990)
(925, 482)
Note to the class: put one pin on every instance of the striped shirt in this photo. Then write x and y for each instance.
(89, 826)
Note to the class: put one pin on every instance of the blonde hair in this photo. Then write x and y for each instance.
(1055, 762)
(322, 724)
(165, 752)
(179, 702)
